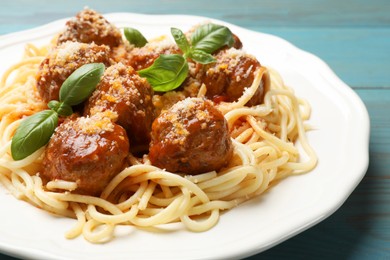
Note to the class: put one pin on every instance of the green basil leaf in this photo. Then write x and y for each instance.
(61, 108)
(202, 57)
(211, 37)
(135, 37)
(167, 72)
(81, 83)
(33, 133)
(181, 40)
(54, 105)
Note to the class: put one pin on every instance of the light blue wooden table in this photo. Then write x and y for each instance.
(352, 36)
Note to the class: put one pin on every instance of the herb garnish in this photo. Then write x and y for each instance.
(210, 37)
(135, 37)
(35, 131)
(169, 71)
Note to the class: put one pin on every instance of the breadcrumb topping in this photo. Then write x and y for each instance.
(180, 116)
(89, 26)
(96, 124)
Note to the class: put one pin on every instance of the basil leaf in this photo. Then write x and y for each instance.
(33, 133)
(81, 83)
(54, 105)
(181, 40)
(202, 57)
(167, 72)
(135, 37)
(211, 37)
(61, 108)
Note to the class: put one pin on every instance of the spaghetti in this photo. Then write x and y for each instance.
(264, 138)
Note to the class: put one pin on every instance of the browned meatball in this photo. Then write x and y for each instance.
(63, 61)
(87, 150)
(141, 58)
(124, 92)
(233, 72)
(89, 26)
(191, 137)
(122, 53)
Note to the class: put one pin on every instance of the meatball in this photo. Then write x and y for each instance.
(122, 53)
(87, 150)
(191, 137)
(63, 61)
(124, 92)
(231, 74)
(89, 26)
(141, 58)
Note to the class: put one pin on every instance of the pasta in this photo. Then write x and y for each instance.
(265, 139)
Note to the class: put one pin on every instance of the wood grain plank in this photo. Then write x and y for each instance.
(244, 12)
(359, 56)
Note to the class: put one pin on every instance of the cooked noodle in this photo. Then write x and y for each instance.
(265, 141)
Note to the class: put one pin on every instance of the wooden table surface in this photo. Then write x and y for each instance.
(351, 36)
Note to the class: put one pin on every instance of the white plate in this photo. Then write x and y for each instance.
(295, 204)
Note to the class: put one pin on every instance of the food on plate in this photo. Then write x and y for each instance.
(116, 130)
(124, 92)
(143, 57)
(62, 61)
(90, 27)
(233, 71)
(192, 137)
(89, 151)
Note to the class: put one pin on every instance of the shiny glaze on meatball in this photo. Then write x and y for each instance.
(191, 137)
(230, 75)
(63, 61)
(87, 150)
(89, 26)
(124, 92)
